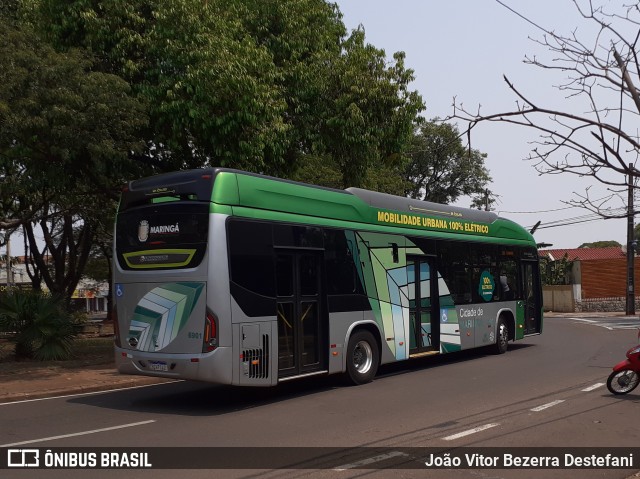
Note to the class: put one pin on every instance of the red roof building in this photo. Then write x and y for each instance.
(584, 254)
(599, 272)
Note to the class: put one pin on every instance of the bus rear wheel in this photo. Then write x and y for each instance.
(363, 357)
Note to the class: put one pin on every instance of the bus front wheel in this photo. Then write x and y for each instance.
(363, 357)
(502, 341)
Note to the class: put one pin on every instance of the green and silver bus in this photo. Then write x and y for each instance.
(238, 278)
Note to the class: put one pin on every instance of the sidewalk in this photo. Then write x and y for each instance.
(591, 314)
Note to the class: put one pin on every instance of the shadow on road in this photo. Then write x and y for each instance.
(192, 398)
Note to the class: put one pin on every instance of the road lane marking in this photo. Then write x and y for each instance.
(371, 460)
(547, 406)
(591, 388)
(92, 393)
(83, 433)
(609, 325)
(470, 431)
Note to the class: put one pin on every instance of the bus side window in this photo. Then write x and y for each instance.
(461, 290)
(508, 275)
(455, 269)
(251, 256)
(342, 277)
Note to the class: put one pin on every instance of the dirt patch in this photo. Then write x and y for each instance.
(89, 352)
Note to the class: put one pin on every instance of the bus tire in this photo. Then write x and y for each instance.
(363, 357)
(502, 337)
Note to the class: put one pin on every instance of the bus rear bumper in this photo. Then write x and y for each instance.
(214, 367)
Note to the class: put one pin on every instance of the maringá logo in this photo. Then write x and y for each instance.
(143, 231)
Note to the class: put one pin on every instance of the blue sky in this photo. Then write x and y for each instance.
(463, 48)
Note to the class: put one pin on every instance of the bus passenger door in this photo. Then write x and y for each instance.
(301, 331)
(424, 321)
(532, 297)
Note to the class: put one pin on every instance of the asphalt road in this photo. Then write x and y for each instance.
(547, 391)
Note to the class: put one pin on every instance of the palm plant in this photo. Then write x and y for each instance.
(38, 324)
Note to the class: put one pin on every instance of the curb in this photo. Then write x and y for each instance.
(624, 316)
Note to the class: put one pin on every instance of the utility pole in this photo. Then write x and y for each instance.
(631, 297)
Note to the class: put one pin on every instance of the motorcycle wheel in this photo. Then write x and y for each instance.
(623, 382)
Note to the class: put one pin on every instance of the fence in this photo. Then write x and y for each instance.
(567, 299)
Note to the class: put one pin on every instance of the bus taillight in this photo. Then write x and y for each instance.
(210, 333)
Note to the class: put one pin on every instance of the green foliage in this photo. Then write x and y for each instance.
(58, 116)
(483, 200)
(213, 91)
(440, 168)
(322, 170)
(385, 179)
(318, 170)
(437, 168)
(93, 93)
(98, 267)
(9, 10)
(600, 244)
(371, 113)
(636, 231)
(41, 328)
(556, 272)
(66, 136)
(114, 31)
(249, 84)
(215, 94)
(303, 39)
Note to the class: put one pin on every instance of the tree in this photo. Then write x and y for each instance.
(556, 272)
(323, 170)
(436, 168)
(371, 112)
(595, 130)
(596, 135)
(65, 137)
(304, 38)
(440, 168)
(38, 325)
(600, 244)
(140, 87)
(249, 84)
(99, 266)
(211, 89)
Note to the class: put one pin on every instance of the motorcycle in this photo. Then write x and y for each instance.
(626, 374)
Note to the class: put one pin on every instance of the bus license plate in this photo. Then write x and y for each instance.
(158, 366)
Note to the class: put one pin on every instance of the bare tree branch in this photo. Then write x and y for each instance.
(594, 134)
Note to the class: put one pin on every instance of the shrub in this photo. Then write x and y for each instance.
(38, 324)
